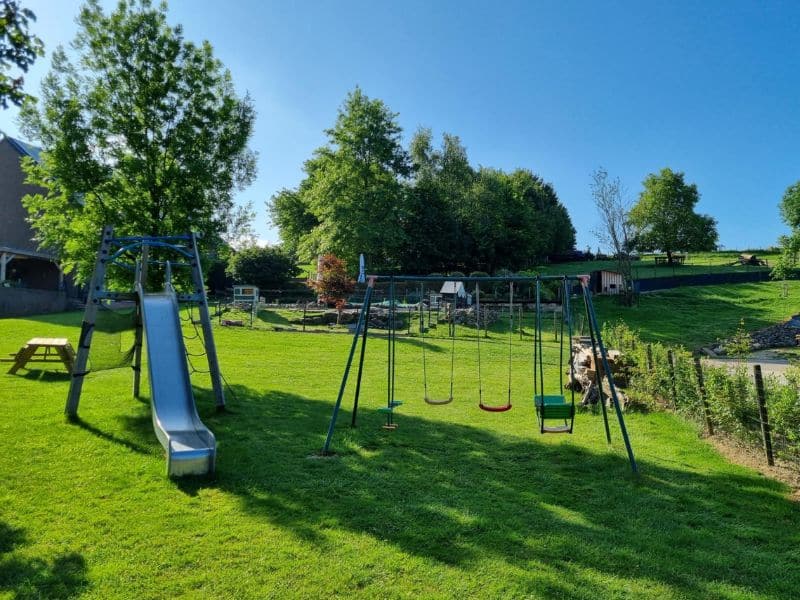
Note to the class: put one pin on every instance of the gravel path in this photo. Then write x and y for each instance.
(769, 366)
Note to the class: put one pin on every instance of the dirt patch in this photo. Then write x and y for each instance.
(734, 451)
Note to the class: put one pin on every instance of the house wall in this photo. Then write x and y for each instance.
(14, 229)
(17, 302)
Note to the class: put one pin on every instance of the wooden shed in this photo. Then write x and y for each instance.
(607, 282)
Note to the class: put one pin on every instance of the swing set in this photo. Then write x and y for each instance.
(549, 405)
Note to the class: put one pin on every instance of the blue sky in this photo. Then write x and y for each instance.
(708, 88)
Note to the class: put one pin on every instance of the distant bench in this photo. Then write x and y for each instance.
(676, 258)
(752, 260)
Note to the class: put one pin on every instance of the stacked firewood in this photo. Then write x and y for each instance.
(586, 372)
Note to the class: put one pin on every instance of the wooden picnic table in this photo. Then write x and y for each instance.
(43, 350)
(751, 259)
(676, 259)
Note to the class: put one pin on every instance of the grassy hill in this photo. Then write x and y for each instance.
(695, 316)
(700, 263)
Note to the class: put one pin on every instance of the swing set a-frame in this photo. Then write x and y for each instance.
(549, 406)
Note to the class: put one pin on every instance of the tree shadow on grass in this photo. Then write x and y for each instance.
(26, 577)
(132, 424)
(46, 376)
(563, 519)
(272, 317)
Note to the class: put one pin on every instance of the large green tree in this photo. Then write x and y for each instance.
(290, 212)
(267, 268)
(19, 48)
(352, 197)
(141, 129)
(434, 239)
(425, 210)
(461, 218)
(790, 244)
(514, 220)
(665, 219)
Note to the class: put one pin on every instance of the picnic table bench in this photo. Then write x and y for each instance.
(676, 259)
(751, 259)
(43, 350)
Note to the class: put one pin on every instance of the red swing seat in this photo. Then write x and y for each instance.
(489, 408)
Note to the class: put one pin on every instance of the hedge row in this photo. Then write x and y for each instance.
(730, 395)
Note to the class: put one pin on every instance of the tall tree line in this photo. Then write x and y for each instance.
(419, 210)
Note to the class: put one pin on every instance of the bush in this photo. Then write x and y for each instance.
(334, 285)
(267, 268)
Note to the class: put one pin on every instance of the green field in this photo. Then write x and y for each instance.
(697, 316)
(455, 503)
(700, 263)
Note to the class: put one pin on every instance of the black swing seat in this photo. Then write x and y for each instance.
(438, 401)
(554, 407)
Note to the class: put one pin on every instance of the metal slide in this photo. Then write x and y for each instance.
(190, 445)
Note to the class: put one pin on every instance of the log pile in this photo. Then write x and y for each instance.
(586, 372)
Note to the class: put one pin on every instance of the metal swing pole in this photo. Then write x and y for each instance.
(567, 303)
(422, 342)
(394, 337)
(510, 335)
(535, 348)
(478, 339)
(598, 366)
(364, 309)
(390, 364)
(367, 297)
(541, 334)
(593, 318)
(538, 368)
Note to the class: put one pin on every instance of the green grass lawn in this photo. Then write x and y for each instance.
(455, 503)
(697, 316)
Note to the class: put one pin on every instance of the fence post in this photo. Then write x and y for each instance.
(762, 413)
(671, 364)
(698, 369)
(555, 327)
(650, 358)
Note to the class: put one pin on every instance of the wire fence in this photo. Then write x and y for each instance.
(717, 398)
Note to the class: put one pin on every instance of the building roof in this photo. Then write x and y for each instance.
(454, 287)
(26, 253)
(24, 148)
